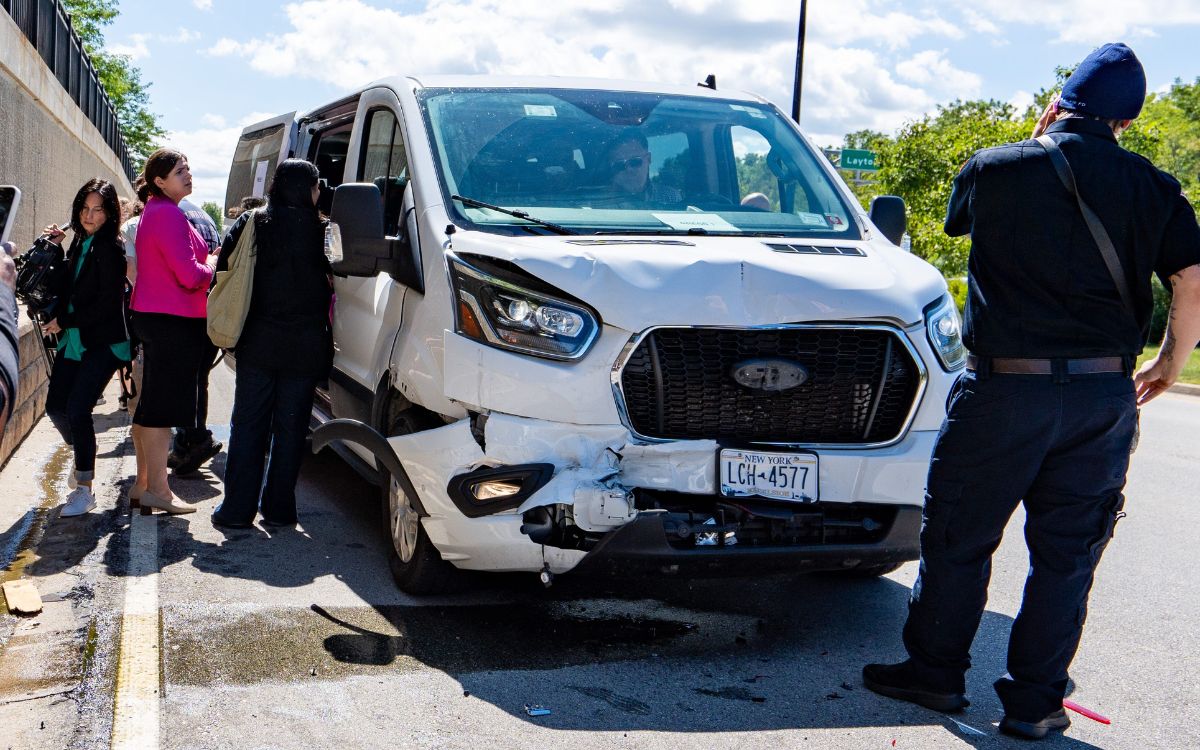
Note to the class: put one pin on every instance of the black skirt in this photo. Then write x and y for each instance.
(176, 356)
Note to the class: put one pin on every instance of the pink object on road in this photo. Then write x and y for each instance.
(1072, 705)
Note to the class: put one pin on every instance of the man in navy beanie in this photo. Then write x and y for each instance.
(1066, 230)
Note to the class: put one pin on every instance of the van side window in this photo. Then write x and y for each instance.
(384, 163)
(328, 152)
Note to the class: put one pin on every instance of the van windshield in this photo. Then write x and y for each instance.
(622, 162)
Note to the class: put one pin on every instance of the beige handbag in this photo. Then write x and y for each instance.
(229, 300)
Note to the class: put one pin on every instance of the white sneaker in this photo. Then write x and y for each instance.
(80, 501)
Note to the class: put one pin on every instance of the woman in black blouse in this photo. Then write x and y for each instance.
(285, 349)
(89, 316)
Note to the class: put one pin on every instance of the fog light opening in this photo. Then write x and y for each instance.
(493, 489)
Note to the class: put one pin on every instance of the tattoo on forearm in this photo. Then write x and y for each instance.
(1167, 352)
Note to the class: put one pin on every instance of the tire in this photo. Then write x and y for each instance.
(416, 565)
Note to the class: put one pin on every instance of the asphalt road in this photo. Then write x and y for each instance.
(299, 639)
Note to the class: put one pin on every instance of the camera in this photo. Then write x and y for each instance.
(36, 269)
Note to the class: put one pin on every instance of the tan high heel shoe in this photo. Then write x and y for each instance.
(135, 496)
(151, 502)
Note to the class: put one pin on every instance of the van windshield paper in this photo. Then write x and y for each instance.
(540, 110)
(260, 178)
(686, 221)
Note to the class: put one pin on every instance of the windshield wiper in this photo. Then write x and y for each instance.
(695, 232)
(517, 214)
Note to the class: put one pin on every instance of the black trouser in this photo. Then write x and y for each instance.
(187, 436)
(75, 386)
(1061, 448)
(271, 411)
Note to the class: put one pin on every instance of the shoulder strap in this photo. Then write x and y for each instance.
(1108, 251)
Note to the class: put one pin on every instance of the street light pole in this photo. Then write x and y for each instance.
(799, 62)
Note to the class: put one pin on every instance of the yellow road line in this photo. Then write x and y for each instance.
(136, 700)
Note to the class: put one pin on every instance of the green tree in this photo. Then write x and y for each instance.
(920, 164)
(755, 177)
(122, 81)
(213, 209)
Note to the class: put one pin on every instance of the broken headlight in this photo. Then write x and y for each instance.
(498, 304)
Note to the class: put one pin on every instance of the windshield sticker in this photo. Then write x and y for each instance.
(811, 220)
(540, 110)
(753, 112)
(686, 221)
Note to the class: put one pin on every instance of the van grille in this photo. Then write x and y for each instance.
(861, 383)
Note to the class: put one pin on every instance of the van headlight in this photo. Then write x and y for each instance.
(500, 305)
(945, 333)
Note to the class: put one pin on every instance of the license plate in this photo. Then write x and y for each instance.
(780, 476)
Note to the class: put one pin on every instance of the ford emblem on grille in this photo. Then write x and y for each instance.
(770, 375)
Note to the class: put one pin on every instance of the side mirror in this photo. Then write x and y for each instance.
(889, 214)
(358, 211)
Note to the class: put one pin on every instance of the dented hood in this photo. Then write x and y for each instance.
(635, 282)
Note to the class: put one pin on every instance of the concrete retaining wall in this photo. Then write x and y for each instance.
(31, 391)
(48, 148)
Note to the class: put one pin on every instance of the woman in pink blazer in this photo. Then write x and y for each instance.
(175, 272)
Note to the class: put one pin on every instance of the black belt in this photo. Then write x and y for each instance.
(1022, 366)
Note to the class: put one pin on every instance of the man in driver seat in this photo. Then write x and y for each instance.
(627, 163)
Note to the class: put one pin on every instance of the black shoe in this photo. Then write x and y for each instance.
(195, 457)
(899, 681)
(1035, 730)
(174, 458)
(278, 524)
(223, 524)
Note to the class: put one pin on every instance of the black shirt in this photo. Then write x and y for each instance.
(1037, 285)
(287, 326)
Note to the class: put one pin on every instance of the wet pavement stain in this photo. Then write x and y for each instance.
(283, 644)
(19, 549)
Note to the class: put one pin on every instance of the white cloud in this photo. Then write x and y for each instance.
(1087, 22)
(932, 70)
(978, 23)
(135, 48)
(203, 4)
(849, 56)
(138, 46)
(183, 35)
(1021, 101)
(209, 150)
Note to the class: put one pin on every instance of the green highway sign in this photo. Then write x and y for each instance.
(858, 159)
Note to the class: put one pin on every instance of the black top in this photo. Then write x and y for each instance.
(287, 326)
(94, 300)
(1037, 285)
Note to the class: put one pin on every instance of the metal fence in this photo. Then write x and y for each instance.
(47, 25)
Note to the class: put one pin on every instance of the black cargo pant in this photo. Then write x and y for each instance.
(1061, 446)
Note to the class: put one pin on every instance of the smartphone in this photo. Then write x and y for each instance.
(10, 200)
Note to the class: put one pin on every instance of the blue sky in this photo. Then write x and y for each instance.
(216, 65)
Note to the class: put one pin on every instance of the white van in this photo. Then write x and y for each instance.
(617, 327)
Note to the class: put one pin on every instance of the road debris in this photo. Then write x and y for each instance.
(1073, 706)
(967, 728)
(534, 709)
(22, 597)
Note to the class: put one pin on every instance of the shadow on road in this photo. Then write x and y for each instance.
(776, 653)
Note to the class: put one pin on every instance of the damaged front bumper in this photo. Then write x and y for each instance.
(509, 493)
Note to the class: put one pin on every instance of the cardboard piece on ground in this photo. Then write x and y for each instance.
(22, 597)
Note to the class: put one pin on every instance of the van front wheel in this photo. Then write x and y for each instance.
(416, 565)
